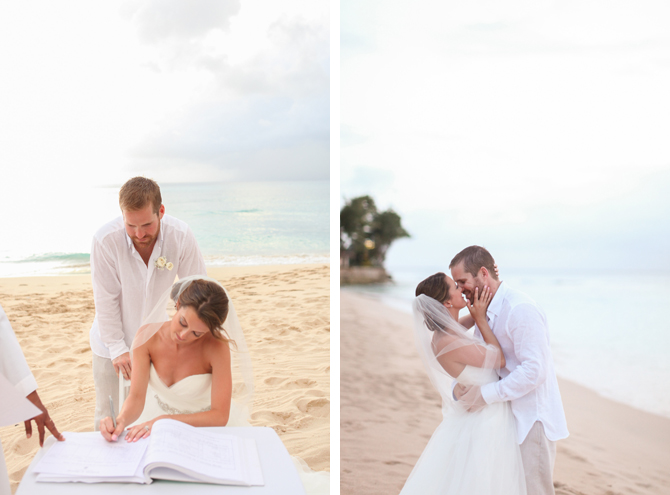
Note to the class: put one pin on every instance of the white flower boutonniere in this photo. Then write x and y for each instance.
(162, 263)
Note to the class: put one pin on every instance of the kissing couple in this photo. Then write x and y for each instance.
(502, 410)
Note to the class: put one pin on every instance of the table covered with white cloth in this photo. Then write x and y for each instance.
(279, 473)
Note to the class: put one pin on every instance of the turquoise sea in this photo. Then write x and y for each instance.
(609, 330)
(240, 223)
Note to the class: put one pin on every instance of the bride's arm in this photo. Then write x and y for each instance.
(134, 404)
(478, 313)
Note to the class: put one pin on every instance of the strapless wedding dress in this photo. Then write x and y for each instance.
(471, 453)
(187, 396)
(194, 394)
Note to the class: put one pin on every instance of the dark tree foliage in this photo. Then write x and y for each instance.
(366, 234)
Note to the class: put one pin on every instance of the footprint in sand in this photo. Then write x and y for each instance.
(319, 408)
(299, 383)
(271, 417)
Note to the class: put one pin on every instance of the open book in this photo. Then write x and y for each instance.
(174, 451)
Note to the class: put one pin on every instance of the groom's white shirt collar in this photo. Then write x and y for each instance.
(495, 306)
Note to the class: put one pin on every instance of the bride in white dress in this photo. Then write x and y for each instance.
(193, 367)
(470, 452)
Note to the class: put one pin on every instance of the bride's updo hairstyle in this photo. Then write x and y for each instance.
(435, 287)
(210, 303)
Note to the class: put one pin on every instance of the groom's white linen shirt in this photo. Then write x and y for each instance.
(528, 378)
(125, 289)
(12, 362)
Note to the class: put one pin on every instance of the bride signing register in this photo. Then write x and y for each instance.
(193, 366)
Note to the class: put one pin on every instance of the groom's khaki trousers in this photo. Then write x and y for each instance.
(106, 384)
(538, 455)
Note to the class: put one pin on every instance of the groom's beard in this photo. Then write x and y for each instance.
(147, 239)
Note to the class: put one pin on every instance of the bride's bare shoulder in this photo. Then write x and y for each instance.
(216, 349)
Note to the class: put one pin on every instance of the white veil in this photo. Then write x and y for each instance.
(442, 343)
(243, 377)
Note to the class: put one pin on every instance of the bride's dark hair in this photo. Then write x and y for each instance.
(435, 287)
(209, 301)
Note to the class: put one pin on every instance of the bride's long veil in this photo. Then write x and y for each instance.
(242, 372)
(442, 341)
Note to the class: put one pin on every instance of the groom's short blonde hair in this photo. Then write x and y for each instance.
(136, 193)
(474, 258)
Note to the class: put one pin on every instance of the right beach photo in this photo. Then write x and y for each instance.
(504, 275)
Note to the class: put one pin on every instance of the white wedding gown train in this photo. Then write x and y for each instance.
(471, 453)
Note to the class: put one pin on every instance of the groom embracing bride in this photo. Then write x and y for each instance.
(503, 412)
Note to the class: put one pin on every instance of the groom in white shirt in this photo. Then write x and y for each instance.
(528, 379)
(134, 260)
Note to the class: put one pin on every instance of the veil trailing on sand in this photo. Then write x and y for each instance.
(444, 345)
(243, 377)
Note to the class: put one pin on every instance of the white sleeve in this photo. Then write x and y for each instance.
(13, 364)
(107, 297)
(191, 261)
(528, 330)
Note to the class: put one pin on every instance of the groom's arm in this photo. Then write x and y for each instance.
(107, 298)
(528, 330)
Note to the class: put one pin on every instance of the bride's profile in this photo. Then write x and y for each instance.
(192, 367)
(470, 451)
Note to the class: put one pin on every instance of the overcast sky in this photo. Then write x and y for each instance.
(536, 128)
(93, 93)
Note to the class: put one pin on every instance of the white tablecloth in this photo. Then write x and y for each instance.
(279, 473)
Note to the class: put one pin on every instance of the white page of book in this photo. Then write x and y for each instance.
(89, 454)
(14, 408)
(210, 454)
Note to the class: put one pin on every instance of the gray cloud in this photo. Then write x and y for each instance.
(268, 116)
(296, 65)
(160, 20)
(254, 136)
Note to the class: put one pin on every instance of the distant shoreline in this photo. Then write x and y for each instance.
(12, 269)
(396, 303)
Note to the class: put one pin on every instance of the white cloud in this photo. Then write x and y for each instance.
(95, 92)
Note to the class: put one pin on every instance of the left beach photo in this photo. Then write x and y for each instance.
(164, 263)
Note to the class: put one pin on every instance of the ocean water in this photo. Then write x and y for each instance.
(609, 331)
(243, 223)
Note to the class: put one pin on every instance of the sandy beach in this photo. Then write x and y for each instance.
(284, 311)
(389, 410)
